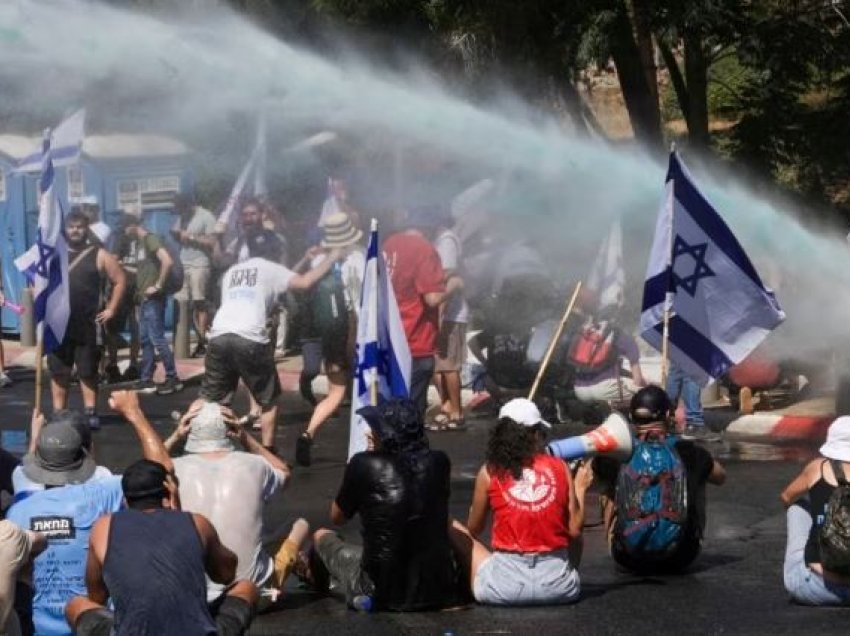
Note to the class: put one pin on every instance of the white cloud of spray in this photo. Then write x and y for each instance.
(187, 72)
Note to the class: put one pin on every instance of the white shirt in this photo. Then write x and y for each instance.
(248, 291)
(448, 247)
(353, 268)
(231, 492)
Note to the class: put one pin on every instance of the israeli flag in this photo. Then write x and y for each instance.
(607, 278)
(256, 167)
(45, 264)
(382, 360)
(66, 144)
(719, 308)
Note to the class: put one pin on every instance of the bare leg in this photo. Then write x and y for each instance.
(202, 317)
(337, 380)
(59, 390)
(470, 552)
(451, 382)
(89, 390)
(268, 424)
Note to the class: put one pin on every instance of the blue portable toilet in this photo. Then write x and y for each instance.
(119, 173)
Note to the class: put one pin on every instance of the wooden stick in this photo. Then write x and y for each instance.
(665, 346)
(39, 354)
(554, 342)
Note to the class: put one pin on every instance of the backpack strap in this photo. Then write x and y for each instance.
(838, 469)
(79, 257)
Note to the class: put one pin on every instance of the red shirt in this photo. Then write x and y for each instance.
(531, 514)
(415, 270)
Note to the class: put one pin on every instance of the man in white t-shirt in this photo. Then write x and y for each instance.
(239, 344)
(451, 343)
(230, 488)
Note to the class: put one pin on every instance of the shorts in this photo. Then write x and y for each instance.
(232, 617)
(196, 280)
(231, 358)
(343, 562)
(451, 347)
(509, 578)
(71, 353)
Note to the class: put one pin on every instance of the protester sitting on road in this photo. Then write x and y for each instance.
(334, 303)
(56, 447)
(66, 511)
(538, 514)
(239, 343)
(150, 560)
(817, 567)
(401, 492)
(654, 505)
(17, 548)
(230, 488)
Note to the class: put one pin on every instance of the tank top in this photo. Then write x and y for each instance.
(154, 570)
(530, 514)
(819, 495)
(84, 294)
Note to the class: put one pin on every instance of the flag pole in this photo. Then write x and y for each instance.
(554, 342)
(665, 333)
(39, 354)
(373, 313)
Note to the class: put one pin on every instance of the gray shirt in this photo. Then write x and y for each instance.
(202, 223)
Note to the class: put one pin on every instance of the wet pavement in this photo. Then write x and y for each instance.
(734, 587)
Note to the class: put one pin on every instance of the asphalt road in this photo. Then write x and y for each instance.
(734, 587)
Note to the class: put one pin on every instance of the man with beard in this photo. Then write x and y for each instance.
(87, 266)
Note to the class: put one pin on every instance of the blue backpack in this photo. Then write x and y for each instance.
(652, 500)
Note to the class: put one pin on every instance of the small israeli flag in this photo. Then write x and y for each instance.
(719, 308)
(45, 264)
(66, 144)
(382, 359)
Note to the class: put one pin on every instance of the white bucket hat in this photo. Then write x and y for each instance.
(837, 444)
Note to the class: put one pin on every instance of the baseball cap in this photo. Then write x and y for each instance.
(209, 431)
(60, 456)
(144, 479)
(523, 411)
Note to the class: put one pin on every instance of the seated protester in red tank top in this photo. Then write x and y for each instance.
(538, 514)
(812, 572)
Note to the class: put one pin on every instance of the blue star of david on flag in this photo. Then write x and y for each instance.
(700, 269)
(700, 277)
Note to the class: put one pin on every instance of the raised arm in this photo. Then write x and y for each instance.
(127, 404)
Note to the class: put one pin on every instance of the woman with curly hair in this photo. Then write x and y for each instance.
(538, 514)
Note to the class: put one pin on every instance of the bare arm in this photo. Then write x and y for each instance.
(106, 262)
(578, 491)
(801, 483)
(36, 424)
(637, 373)
(127, 404)
(717, 476)
(300, 282)
(479, 510)
(95, 585)
(220, 561)
(337, 515)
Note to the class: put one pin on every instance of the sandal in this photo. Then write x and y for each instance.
(439, 423)
(458, 424)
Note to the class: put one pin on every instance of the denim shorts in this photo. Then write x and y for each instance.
(510, 578)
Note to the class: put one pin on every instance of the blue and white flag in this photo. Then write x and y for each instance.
(66, 144)
(607, 278)
(256, 167)
(719, 308)
(45, 264)
(383, 356)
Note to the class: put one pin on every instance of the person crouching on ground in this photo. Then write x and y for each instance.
(813, 572)
(538, 514)
(401, 492)
(150, 559)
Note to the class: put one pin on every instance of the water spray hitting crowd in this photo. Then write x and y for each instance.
(485, 224)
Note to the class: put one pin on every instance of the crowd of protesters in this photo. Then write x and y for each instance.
(178, 543)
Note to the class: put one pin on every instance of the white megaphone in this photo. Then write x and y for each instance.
(612, 438)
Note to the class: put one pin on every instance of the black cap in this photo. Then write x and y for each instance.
(265, 244)
(144, 480)
(650, 404)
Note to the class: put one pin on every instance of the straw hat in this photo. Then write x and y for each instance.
(339, 231)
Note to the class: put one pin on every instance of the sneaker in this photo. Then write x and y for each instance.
(200, 350)
(93, 419)
(143, 386)
(171, 385)
(5, 380)
(131, 374)
(700, 434)
(303, 446)
(112, 375)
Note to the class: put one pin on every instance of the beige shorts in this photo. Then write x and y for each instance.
(451, 347)
(195, 282)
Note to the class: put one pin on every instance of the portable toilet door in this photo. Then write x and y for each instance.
(13, 240)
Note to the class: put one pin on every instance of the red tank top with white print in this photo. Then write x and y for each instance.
(530, 514)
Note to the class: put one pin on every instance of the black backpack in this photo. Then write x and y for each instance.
(174, 280)
(834, 534)
(327, 304)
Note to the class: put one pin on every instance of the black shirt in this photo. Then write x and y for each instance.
(404, 518)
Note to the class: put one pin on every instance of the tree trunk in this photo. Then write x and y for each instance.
(677, 80)
(579, 110)
(696, 78)
(644, 113)
(643, 36)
